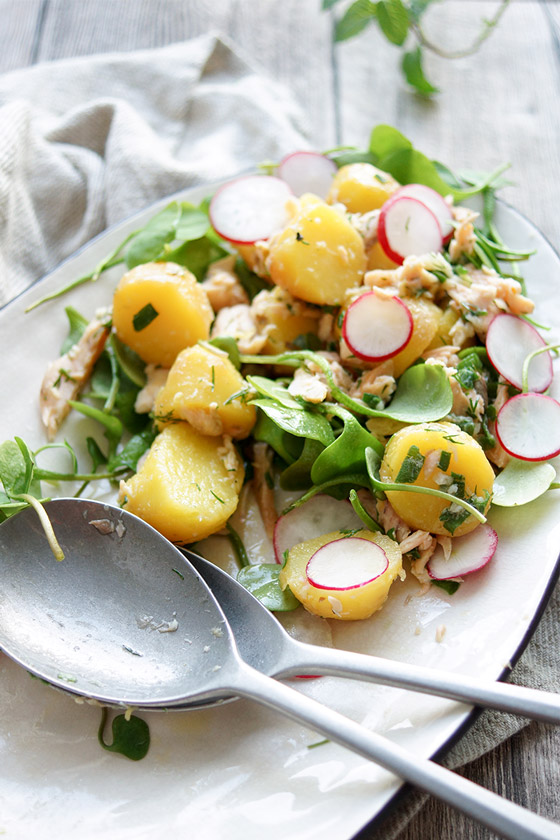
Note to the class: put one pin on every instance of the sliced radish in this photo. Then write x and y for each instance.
(307, 172)
(528, 427)
(468, 554)
(320, 515)
(436, 202)
(375, 327)
(346, 563)
(407, 226)
(509, 341)
(250, 208)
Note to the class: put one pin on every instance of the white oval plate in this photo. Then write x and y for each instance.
(240, 771)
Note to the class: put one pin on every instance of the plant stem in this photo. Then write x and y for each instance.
(485, 32)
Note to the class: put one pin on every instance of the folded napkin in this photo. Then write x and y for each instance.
(87, 142)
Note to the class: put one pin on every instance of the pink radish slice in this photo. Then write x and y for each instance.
(528, 427)
(375, 327)
(436, 202)
(407, 226)
(468, 554)
(363, 562)
(307, 172)
(509, 341)
(320, 515)
(250, 208)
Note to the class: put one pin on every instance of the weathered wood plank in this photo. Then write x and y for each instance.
(19, 32)
(259, 29)
(494, 107)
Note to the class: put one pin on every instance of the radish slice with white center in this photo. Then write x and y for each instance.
(509, 341)
(407, 226)
(528, 427)
(436, 202)
(307, 172)
(250, 208)
(346, 564)
(468, 554)
(376, 328)
(318, 516)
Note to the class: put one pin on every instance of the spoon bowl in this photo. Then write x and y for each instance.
(118, 620)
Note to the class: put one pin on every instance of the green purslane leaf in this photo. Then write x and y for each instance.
(346, 455)
(355, 19)
(413, 69)
(131, 736)
(148, 244)
(392, 16)
(297, 422)
(521, 482)
(15, 470)
(262, 581)
(271, 389)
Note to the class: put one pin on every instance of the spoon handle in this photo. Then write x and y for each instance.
(499, 815)
(312, 659)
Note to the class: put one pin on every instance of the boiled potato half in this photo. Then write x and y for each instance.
(343, 576)
(159, 309)
(188, 486)
(361, 187)
(201, 388)
(319, 255)
(441, 457)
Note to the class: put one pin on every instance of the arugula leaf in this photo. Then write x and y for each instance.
(262, 581)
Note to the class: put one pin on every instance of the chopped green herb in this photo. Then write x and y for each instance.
(411, 466)
(449, 586)
(444, 460)
(144, 317)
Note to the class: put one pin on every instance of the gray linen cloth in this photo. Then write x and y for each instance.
(87, 142)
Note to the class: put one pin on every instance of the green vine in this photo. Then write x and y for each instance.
(401, 22)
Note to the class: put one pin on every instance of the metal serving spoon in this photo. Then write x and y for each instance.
(284, 656)
(125, 619)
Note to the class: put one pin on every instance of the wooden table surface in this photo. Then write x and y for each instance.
(500, 105)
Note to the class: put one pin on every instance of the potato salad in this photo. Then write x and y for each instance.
(341, 344)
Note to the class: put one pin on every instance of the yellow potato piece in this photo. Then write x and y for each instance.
(361, 187)
(188, 486)
(426, 316)
(199, 389)
(319, 255)
(182, 311)
(466, 459)
(344, 604)
(377, 259)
